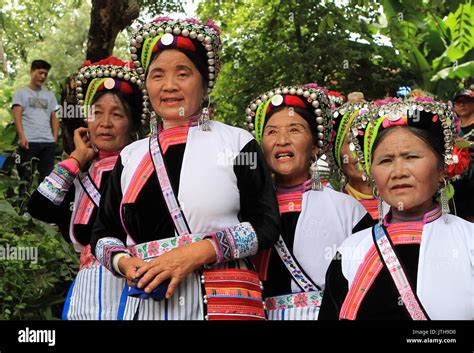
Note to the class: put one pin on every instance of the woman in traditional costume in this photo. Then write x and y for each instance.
(292, 124)
(417, 262)
(196, 193)
(110, 93)
(345, 159)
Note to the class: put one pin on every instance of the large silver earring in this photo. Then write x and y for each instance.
(444, 200)
(204, 123)
(315, 177)
(376, 195)
(153, 124)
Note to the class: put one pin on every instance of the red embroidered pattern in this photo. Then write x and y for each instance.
(371, 206)
(86, 206)
(400, 234)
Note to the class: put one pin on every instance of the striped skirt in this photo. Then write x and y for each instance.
(294, 306)
(95, 294)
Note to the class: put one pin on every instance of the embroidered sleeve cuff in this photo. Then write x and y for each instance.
(71, 165)
(105, 250)
(55, 186)
(235, 242)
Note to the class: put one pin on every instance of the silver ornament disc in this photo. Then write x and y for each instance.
(277, 100)
(167, 39)
(109, 83)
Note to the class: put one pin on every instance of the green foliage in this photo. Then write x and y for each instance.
(268, 43)
(435, 39)
(28, 22)
(63, 46)
(159, 7)
(32, 290)
(7, 137)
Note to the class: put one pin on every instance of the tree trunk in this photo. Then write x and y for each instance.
(108, 19)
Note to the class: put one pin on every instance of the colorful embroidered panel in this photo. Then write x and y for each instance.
(55, 186)
(233, 294)
(156, 248)
(235, 242)
(371, 206)
(106, 248)
(142, 174)
(290, 200)
(173, 136)
(407, 294)
(294, 300)
(400, 234)
(86, 206)
(298, 275)
(406, 233)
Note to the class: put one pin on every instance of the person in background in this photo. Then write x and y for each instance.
(34, 112)
(464, 108)
(355, 97)
(464, 188)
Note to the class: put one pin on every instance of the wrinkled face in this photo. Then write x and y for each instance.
(39, 76)
(464, 107)
(288, 146)
(406, 171)
(175, 86)
(349, 163)
(109, 127)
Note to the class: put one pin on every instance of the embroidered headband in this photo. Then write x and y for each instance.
(337, 98)
(342, 119)
(187, 34)
(312, 98)
(109, 74)
(421, 112)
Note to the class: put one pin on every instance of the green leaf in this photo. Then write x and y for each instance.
(7, 208)
(322, 25)
(461, 71)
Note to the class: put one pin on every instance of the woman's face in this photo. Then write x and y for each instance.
(350, 163)
(175, 86)
(406, 171)
(109, 128)
(288, 146)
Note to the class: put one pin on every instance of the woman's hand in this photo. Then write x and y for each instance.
(129, 266)
(84, 151)
(176, 265)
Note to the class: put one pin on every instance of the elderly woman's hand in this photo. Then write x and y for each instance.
(176, 265)
(129, 266)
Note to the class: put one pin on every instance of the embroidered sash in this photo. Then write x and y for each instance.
(398, 274)
(400, 234)
(230, 294)
(90, 183)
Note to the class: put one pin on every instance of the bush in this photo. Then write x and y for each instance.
(32, 290)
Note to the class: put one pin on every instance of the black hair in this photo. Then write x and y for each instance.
(305, 114)
(132, 106)
(40, 64)
(198, 58)
(434, 143)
